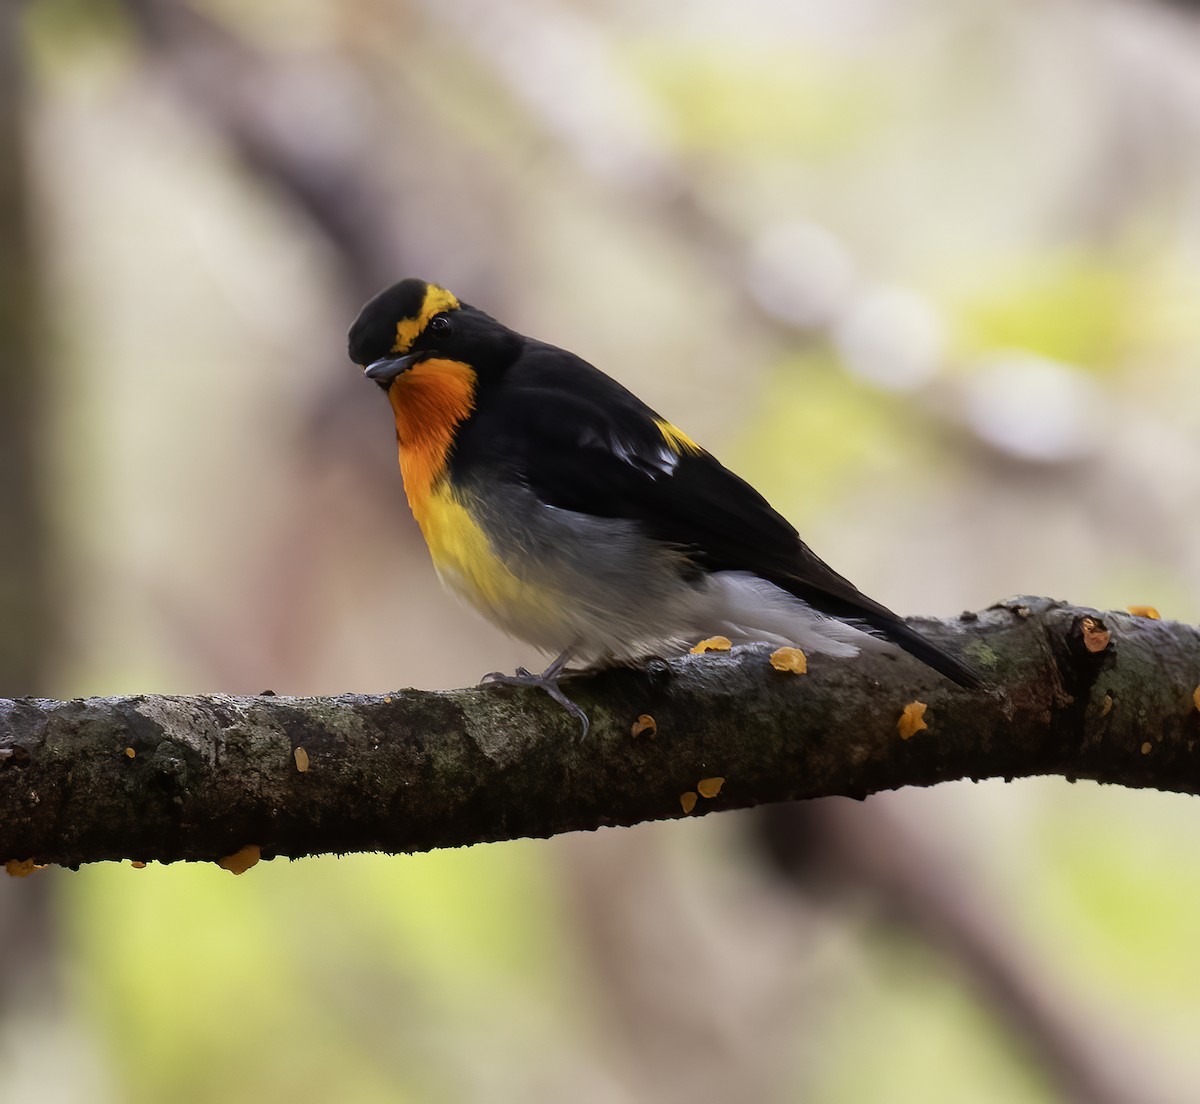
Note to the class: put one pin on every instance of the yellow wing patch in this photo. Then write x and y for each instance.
(677, 441)
(437, 299)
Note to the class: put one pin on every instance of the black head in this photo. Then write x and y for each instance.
(414, 320)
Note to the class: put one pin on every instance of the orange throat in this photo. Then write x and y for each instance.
(429, 402)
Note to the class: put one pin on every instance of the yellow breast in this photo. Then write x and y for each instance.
(467, 563)
(429, 402)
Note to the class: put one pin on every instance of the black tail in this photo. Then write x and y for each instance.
(929, 653)
(815, 582)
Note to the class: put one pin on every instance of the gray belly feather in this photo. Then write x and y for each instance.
(616, 595)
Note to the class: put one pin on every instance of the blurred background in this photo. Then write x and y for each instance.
(925, 271)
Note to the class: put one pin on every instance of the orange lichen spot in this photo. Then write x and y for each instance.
(713, 644)
(912, 720)
(242, 860)
(301, 757)
(710, 787)
(688, 800)
(1106, 705)
(645, 725)
(130, 753)
(20, 868)
(1146, 748)
(137, 865)
(790, 659)
(1196, 697)
(1095, 636)
(1145, 611)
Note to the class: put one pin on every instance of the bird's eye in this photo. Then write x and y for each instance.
(439, 324)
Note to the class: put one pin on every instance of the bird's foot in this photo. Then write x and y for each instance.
(547, 681)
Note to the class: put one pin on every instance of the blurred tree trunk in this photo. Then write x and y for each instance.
(24, 578)
(26, 621)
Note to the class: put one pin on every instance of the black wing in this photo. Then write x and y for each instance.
(585, 443)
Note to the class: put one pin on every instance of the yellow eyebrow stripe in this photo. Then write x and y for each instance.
(677, 441)
(437, 299)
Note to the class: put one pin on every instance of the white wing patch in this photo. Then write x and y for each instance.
(663, 461)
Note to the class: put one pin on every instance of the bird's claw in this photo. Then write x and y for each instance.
(547, 681)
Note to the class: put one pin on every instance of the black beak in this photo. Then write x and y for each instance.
(386, 369)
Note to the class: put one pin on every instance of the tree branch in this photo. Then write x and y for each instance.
(167, 778)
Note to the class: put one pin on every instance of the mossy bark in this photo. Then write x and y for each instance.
(169, 778)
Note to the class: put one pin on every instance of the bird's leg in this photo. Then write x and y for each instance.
(548, 681)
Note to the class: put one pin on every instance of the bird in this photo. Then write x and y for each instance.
(579, 520)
